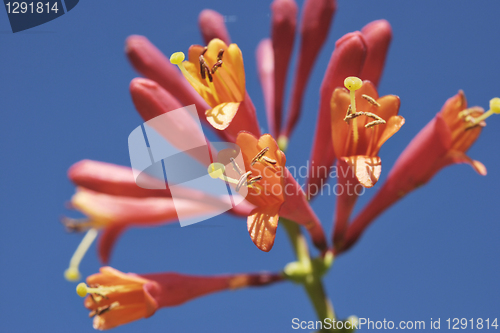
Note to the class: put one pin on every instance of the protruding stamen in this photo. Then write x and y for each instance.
(375, 122)
(378, 120)
(235, 166)
(220, 54)
(216, 65)
(219, 61)
(204, 69)
(72, 273)
(494, 109)
(465, 113)
(76, 225)
(371, 100)
(253, 180)
(242, 180)
(259, 156)
(349, 111)
(269, 160)
(103, 309)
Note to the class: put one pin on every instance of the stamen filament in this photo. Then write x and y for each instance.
(494, 109)
(72, 273)
(475, 121)
(259, 155)
(235, 166)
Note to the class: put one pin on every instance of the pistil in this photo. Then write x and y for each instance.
(72, 273)
(494, 109)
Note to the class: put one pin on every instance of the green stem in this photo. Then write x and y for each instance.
(312, 283)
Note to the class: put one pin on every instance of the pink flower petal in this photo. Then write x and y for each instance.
(212, 26)
(265, 68)
(314, 27)
(283, 24)
(378, 35)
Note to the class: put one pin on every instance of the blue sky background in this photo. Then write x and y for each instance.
(64, 97)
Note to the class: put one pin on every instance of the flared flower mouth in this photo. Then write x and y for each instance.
(116, 298)
(361, 123)
(217, 73)
(262, 177)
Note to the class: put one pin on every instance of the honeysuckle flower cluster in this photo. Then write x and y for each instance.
(354, 121)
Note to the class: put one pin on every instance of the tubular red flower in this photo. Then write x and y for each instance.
(378, 36)
(357, 146)
(118, 180)
(315, 24)
(117, 298)
(283, 24)
(113, 179)
(347, 60)
(212, 26)
(150, 62)
(265, 68)
(297, 209)
(152, 101)
(265, 162)
(442, 142)
(217, 74)
(114, 214)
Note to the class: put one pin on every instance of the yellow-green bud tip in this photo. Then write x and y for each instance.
(72, 274)
(495, 105)
(283, 143)
(81, 289)
(177, 57)
(354, 321)
(353, 83)
(215, 170)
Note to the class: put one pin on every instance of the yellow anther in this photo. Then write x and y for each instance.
(177, 58)
(216, 170)
(259, 156)
(495, 105)
(353, 83)
(371, 100)
(82, 289)
(72, 274)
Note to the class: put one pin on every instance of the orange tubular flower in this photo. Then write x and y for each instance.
(361, 123)
(265, 162)
(216, 72)
(442, 142)
(116, 298)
